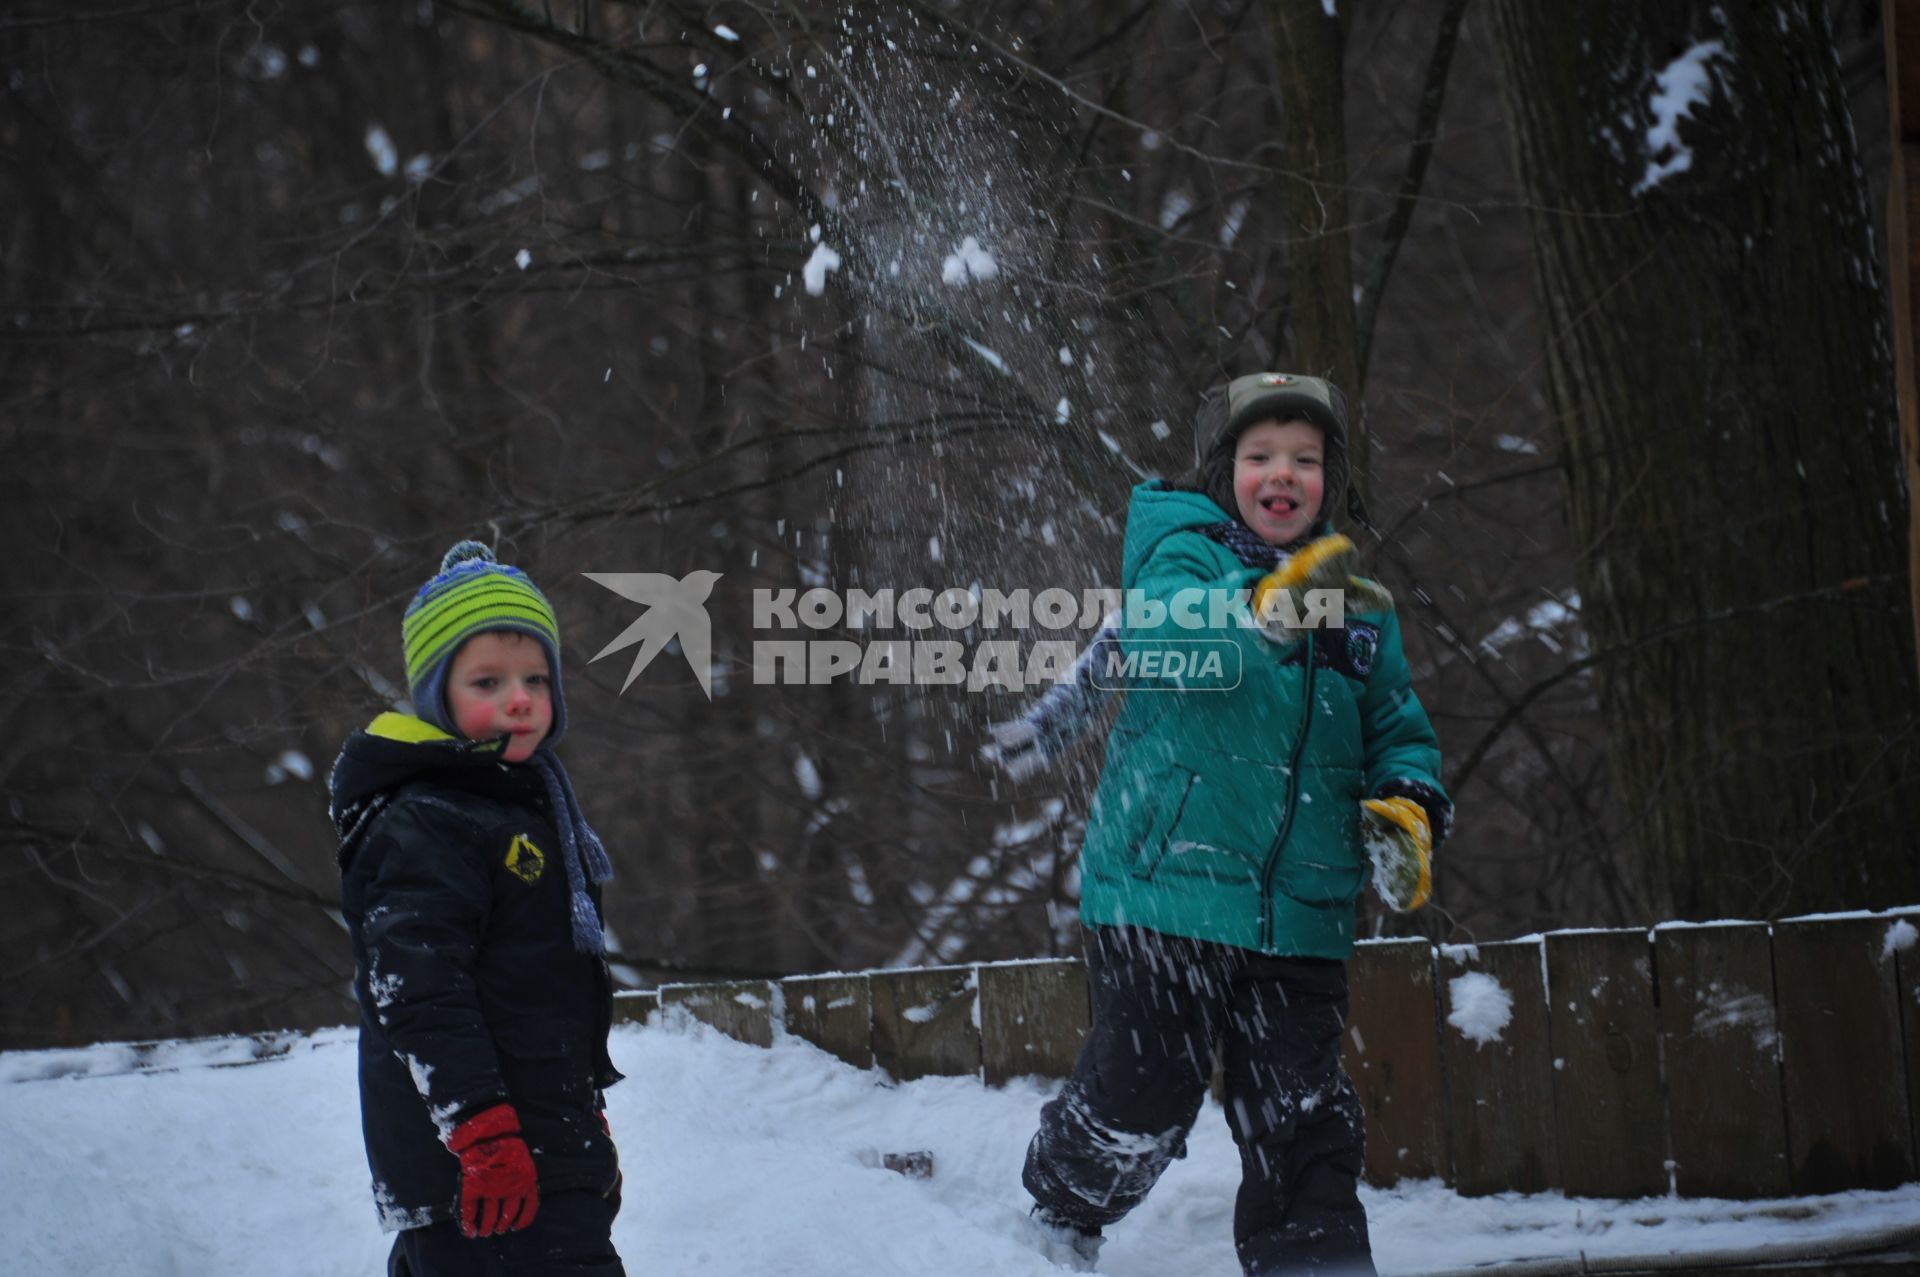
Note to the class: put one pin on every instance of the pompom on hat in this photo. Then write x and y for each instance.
(471, 594)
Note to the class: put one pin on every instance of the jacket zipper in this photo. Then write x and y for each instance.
(1286, 821)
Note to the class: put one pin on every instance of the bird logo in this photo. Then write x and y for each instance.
(676, 609)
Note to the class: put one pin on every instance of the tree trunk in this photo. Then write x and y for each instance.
(1902, 36)
(1308, 49)
(1718, 355)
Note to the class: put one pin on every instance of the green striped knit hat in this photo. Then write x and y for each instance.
(472, 594)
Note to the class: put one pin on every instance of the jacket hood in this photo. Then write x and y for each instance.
(392, 750)
(1156, 512)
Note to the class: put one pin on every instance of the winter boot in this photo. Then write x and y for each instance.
(1071, 1245)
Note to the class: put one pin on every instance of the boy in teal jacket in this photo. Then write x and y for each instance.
(1230, 836)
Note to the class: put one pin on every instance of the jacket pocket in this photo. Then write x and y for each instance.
(545, 1068)
(1166, 816)
(1201, 838)
(1321, 863)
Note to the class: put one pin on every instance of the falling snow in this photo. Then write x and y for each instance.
(381, 151)
(290, 764)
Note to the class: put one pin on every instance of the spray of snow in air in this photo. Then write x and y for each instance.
(940, 279)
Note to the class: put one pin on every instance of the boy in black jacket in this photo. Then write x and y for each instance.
(471, 885)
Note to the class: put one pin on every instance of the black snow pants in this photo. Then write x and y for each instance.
(1159, 1004)
(571, 1236)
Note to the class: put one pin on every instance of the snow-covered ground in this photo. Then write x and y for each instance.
(738, 1161)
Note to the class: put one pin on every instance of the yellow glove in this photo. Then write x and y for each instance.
(1321, 564)
(1326, 563)
(1400, 844)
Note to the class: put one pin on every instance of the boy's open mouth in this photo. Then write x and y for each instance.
(1279, 507)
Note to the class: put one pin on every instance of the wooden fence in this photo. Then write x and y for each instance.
(1733, 1060)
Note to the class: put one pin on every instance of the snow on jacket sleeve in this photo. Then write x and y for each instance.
(426, 908)
(1402, 752)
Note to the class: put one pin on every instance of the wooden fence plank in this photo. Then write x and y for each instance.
(1609, 1115)
(1720, 1034)
(741, 1009)
(1033, 1018)
(1499, 1083)
(1907, 966)
(1841, 1059)
(635, 1006)
(834, 1012)
(923, 1022)
(1392, 1053)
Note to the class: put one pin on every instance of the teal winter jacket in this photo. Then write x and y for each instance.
(1232, 814)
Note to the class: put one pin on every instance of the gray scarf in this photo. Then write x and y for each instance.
(586, 857)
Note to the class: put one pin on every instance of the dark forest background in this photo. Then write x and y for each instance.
(296, 294)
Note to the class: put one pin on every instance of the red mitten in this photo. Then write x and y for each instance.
(499, 1191)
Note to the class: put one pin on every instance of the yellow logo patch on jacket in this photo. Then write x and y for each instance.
(524, 860)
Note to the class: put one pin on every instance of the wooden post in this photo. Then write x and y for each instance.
(635, 1006)
(1392, 1052)
(923, 1022)
(1033, 1018)
(1722, 1037)
(741, 1009)
(1499, 1071)
(1608, 1111)
(834, 1012)
(1841, 1056)
(1901, 19)
(1906, 958)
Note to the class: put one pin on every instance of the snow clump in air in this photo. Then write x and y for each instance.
(968, 263)
(1482, 1007)
(1683, 84)
(824, 259)
(290, 763)
(380, 150)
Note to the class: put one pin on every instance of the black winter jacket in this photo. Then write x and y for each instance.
(471, 991)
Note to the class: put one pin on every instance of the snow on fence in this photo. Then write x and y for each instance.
(1739, 1060)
